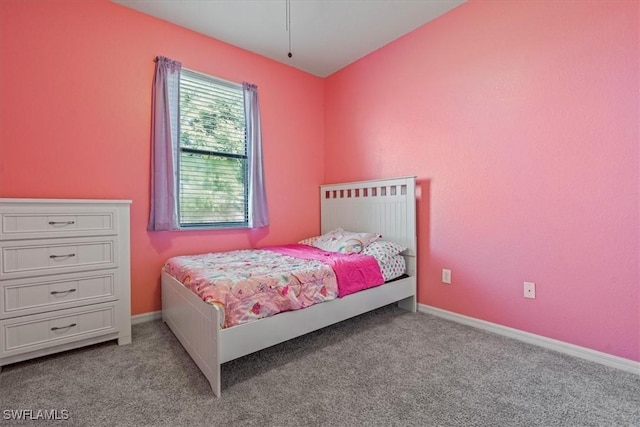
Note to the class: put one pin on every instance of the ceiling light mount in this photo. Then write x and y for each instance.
(288, 24)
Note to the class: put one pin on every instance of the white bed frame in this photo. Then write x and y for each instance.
(385, 206)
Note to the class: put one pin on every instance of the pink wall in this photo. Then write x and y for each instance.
(520, 120)
(75, 93)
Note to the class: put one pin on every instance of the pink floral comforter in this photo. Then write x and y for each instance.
(252, 284)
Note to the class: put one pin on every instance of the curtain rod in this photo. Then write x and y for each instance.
(228, 82)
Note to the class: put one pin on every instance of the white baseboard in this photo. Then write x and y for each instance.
(559, 346)
(146, 317)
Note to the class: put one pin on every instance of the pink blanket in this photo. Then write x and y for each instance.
(354, 272)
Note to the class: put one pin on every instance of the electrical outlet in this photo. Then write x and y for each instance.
(530, 290)
(446, 276)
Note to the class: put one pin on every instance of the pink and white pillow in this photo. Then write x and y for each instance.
(383, 251)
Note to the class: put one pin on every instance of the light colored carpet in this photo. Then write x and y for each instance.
(385, 368)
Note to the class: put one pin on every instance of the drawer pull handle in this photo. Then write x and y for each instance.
(61, 222)
(61, 256)
(62, 292)
(55, 328)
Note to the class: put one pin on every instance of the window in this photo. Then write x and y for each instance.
(213, 156)
(206, 152)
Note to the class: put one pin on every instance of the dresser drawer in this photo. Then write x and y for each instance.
(38, 221)
(56, 256)
(20, 297)
(29, 333)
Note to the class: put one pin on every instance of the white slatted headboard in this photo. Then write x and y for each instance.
(385, 206)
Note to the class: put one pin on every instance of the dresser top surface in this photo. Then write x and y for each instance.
(61, 201)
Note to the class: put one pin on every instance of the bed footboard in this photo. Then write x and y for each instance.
(196, 325)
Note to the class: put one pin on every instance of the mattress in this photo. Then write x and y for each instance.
(251, 284)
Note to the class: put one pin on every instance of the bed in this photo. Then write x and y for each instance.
(385, 206)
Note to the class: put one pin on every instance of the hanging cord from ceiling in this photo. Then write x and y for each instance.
(288, 24)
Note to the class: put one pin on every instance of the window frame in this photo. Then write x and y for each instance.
(246, 157)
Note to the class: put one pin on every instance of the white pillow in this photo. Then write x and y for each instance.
(342, 241)
(312, 240)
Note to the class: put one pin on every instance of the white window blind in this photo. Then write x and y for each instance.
(213, 153)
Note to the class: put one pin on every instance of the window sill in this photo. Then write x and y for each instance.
(212, 227)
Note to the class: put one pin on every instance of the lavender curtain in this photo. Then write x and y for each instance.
(164, 145)
(258, 211)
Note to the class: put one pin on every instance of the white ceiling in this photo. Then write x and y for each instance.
(326, 35)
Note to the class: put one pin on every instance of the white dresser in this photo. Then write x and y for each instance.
(64, 275)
